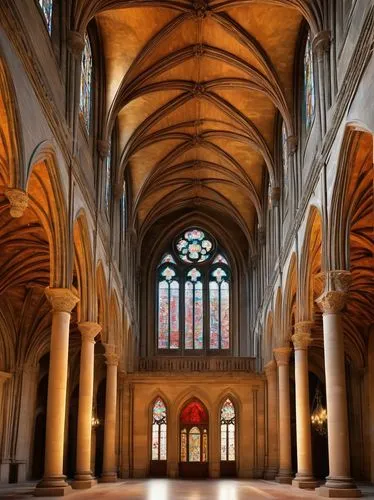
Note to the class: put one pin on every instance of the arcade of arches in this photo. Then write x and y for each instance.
(186, 242)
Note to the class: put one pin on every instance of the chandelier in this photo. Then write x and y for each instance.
(319, 414)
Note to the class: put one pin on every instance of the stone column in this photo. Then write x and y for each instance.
(109, 460)
(331, 302)
(4, 428)
(53, 483)
(83, 476)
(282, 357)
(272, 420)
(301, 340)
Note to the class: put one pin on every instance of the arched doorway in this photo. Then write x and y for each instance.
(194, 440)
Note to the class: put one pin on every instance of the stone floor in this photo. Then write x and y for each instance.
(166, 489)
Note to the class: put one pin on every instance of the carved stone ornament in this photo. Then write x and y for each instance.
(89, 330)
(201, 8)
(111, 359)
(103, 148)
(270, 368)
(275, 196)
(18, 200)
(196, 139)
(302, 337)
(291, 145)
(198, 50)
(75, 43)
(282, 355)
(321, 43)
(61, 299)
(336, 287)
(197, 92)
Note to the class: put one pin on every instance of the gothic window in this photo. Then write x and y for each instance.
(159, 430)
(309, 90)
(228, 425)
(168, 308)
(193, 302)
(47, 9)
(107, 182)
(194, 433)
(123, 212)
(284, 160)
(86, 82)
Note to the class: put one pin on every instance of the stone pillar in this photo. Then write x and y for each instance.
(4, 461)
(301, 340)
(109, 460)
(272, 420)
(83, 476)
(53, 483)
(331, 302)
(282, 357)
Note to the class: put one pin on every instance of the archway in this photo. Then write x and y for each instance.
(194, 440)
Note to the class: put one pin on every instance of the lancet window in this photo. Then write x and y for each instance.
(309, 90)
(47, 9)
(228, 428)
(193, 295)
(159, 430)
(86, 82)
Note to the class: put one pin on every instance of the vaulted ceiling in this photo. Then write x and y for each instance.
(195, 88)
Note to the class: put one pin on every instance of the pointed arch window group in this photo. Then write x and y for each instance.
(193, 295)
(194, 432)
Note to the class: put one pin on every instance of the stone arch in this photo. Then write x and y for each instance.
(83, 267)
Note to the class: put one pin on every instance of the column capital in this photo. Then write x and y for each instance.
(275, 196)
(336, 286)
(18, 200)
(291, 145)
(103, 148)
(110, 355)
(321, 42)
(89, 330)
(4, 376)
(270, 368)
(282, 355)
(75, 41)
(302, 337)
(61, 299)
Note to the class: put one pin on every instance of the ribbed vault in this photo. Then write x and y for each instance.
(193, 91)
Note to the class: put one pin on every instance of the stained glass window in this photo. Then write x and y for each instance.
(193, 332)
(194, 294)
(47, 9)
(228, 431)
(159, 430)
(194, 246)
(86, 82)
(219, 309)
(108, 168)
(168, 309)
(123, 211)
(194, 433)
(309, 90)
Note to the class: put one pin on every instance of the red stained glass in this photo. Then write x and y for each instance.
(194, 413)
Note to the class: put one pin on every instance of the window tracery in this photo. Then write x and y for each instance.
(228, 427)
(193, 303)
(47, 9)
(159, 430)
(309, 90)
(86, 82)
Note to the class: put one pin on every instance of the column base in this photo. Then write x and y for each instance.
(325, 491)
(305, 482)
(270, 473)
(108, 477)
(53, 486)
(285, 478)
(83, 484)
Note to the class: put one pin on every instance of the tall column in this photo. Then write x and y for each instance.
(83, 476)
(282, 357)
(109, 459)
(4, 429)
(301, 340)
(331, 302)
(272, 420)
(53, 483)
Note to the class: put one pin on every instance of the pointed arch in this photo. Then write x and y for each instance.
(159, 423)
(228, 425)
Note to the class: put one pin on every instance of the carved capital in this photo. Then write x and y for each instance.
(291, 145)
(282, 355)
(302, 337)
(61, 299)
(89, 330)
(18, 200)
(275, 196)
(75, 43)
(335, 286)
(270, 368)
(103, 148)
(110, 355)
(321, 43)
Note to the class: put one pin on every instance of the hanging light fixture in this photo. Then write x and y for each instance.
(319, 414)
